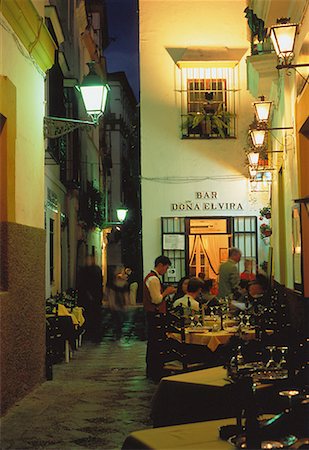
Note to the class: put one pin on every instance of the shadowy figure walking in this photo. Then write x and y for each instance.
(90, 293)
(117, 295)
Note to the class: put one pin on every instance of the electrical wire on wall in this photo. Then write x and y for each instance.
(183, 180)
(21, 48)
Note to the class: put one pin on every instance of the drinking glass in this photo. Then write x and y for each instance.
(289, 394)
(247, 324)
(199, 324)
(283, 362)
(241, 317)
(192, 324)
(271, 363)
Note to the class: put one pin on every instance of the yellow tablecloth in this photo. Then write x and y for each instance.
(194, 436)
(76, 314)
(211, 338)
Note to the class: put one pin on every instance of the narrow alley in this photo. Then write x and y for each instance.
(94, 401)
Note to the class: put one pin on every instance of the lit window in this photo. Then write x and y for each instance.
(208, 102)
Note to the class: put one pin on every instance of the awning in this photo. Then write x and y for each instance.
(206, 57)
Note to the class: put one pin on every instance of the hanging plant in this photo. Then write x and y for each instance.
(266, 212)
(264, 265)
(214, 122)
(265, 230)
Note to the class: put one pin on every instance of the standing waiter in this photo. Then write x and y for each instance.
(155, 309)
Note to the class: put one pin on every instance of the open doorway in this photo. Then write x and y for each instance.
(196, 245)
(209, 241)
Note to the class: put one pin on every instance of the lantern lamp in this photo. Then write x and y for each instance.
(283, 38)
(121, 214)
(94, 93)
(252, 172)
(262, 109)
(258, 137)
(253, 158)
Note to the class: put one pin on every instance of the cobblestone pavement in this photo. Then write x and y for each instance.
(93, 402)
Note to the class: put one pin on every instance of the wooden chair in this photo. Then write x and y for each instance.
(177, 356)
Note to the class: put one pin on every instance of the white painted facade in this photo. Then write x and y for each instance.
(174, 170)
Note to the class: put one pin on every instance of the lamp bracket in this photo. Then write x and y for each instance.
(290, 66)
(55, 127)
(111, 224)
(280, 128)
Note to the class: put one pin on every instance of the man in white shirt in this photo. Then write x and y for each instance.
(155, 308)
(188, 301)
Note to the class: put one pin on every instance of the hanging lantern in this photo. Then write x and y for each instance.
(262, 109)
(94, 92)
(258, 137)
(253, 158)
(283, 38)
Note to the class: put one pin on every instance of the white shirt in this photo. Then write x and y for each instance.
(184, 302)
(154, 286)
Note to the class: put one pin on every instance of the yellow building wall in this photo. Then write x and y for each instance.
(176, 25)
(302, 115)
(7, 149)
(22, 234)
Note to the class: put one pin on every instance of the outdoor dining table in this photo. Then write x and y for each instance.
(212, 339)
(201, 395)
(202, 435)
(193, 436)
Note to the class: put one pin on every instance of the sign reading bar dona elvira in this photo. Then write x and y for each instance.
(207, 200)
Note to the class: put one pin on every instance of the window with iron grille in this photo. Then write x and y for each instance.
(208, 102)
(244, 231)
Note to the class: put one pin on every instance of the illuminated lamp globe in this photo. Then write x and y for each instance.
(121, 214)
(94, 93)
(283, 38)
(258, 137)
(253, 158)
(262, 109)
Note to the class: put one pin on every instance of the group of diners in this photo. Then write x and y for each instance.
(193, 293)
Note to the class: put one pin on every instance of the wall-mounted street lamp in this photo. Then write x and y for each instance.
(258, 134)
(283, 36)
(258, 137)
(121, 216)
(262, 109)
(253, 158)
(94, 93)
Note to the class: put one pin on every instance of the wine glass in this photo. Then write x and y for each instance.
(241, 317)
(283, 362)
(247, 324)
(289, 394)
(199, 324)
(239, 356)
(192, 324)
(271, 363)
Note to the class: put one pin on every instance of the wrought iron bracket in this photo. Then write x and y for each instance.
(55, 127)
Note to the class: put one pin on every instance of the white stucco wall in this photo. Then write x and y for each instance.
(29, 157)
(219, 164)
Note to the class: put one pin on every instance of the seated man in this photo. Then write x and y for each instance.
(188, 302)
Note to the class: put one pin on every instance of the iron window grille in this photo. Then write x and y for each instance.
(211, 93)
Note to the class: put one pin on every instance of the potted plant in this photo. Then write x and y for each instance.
(265, 230)
(213, 121)
(265, 212)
